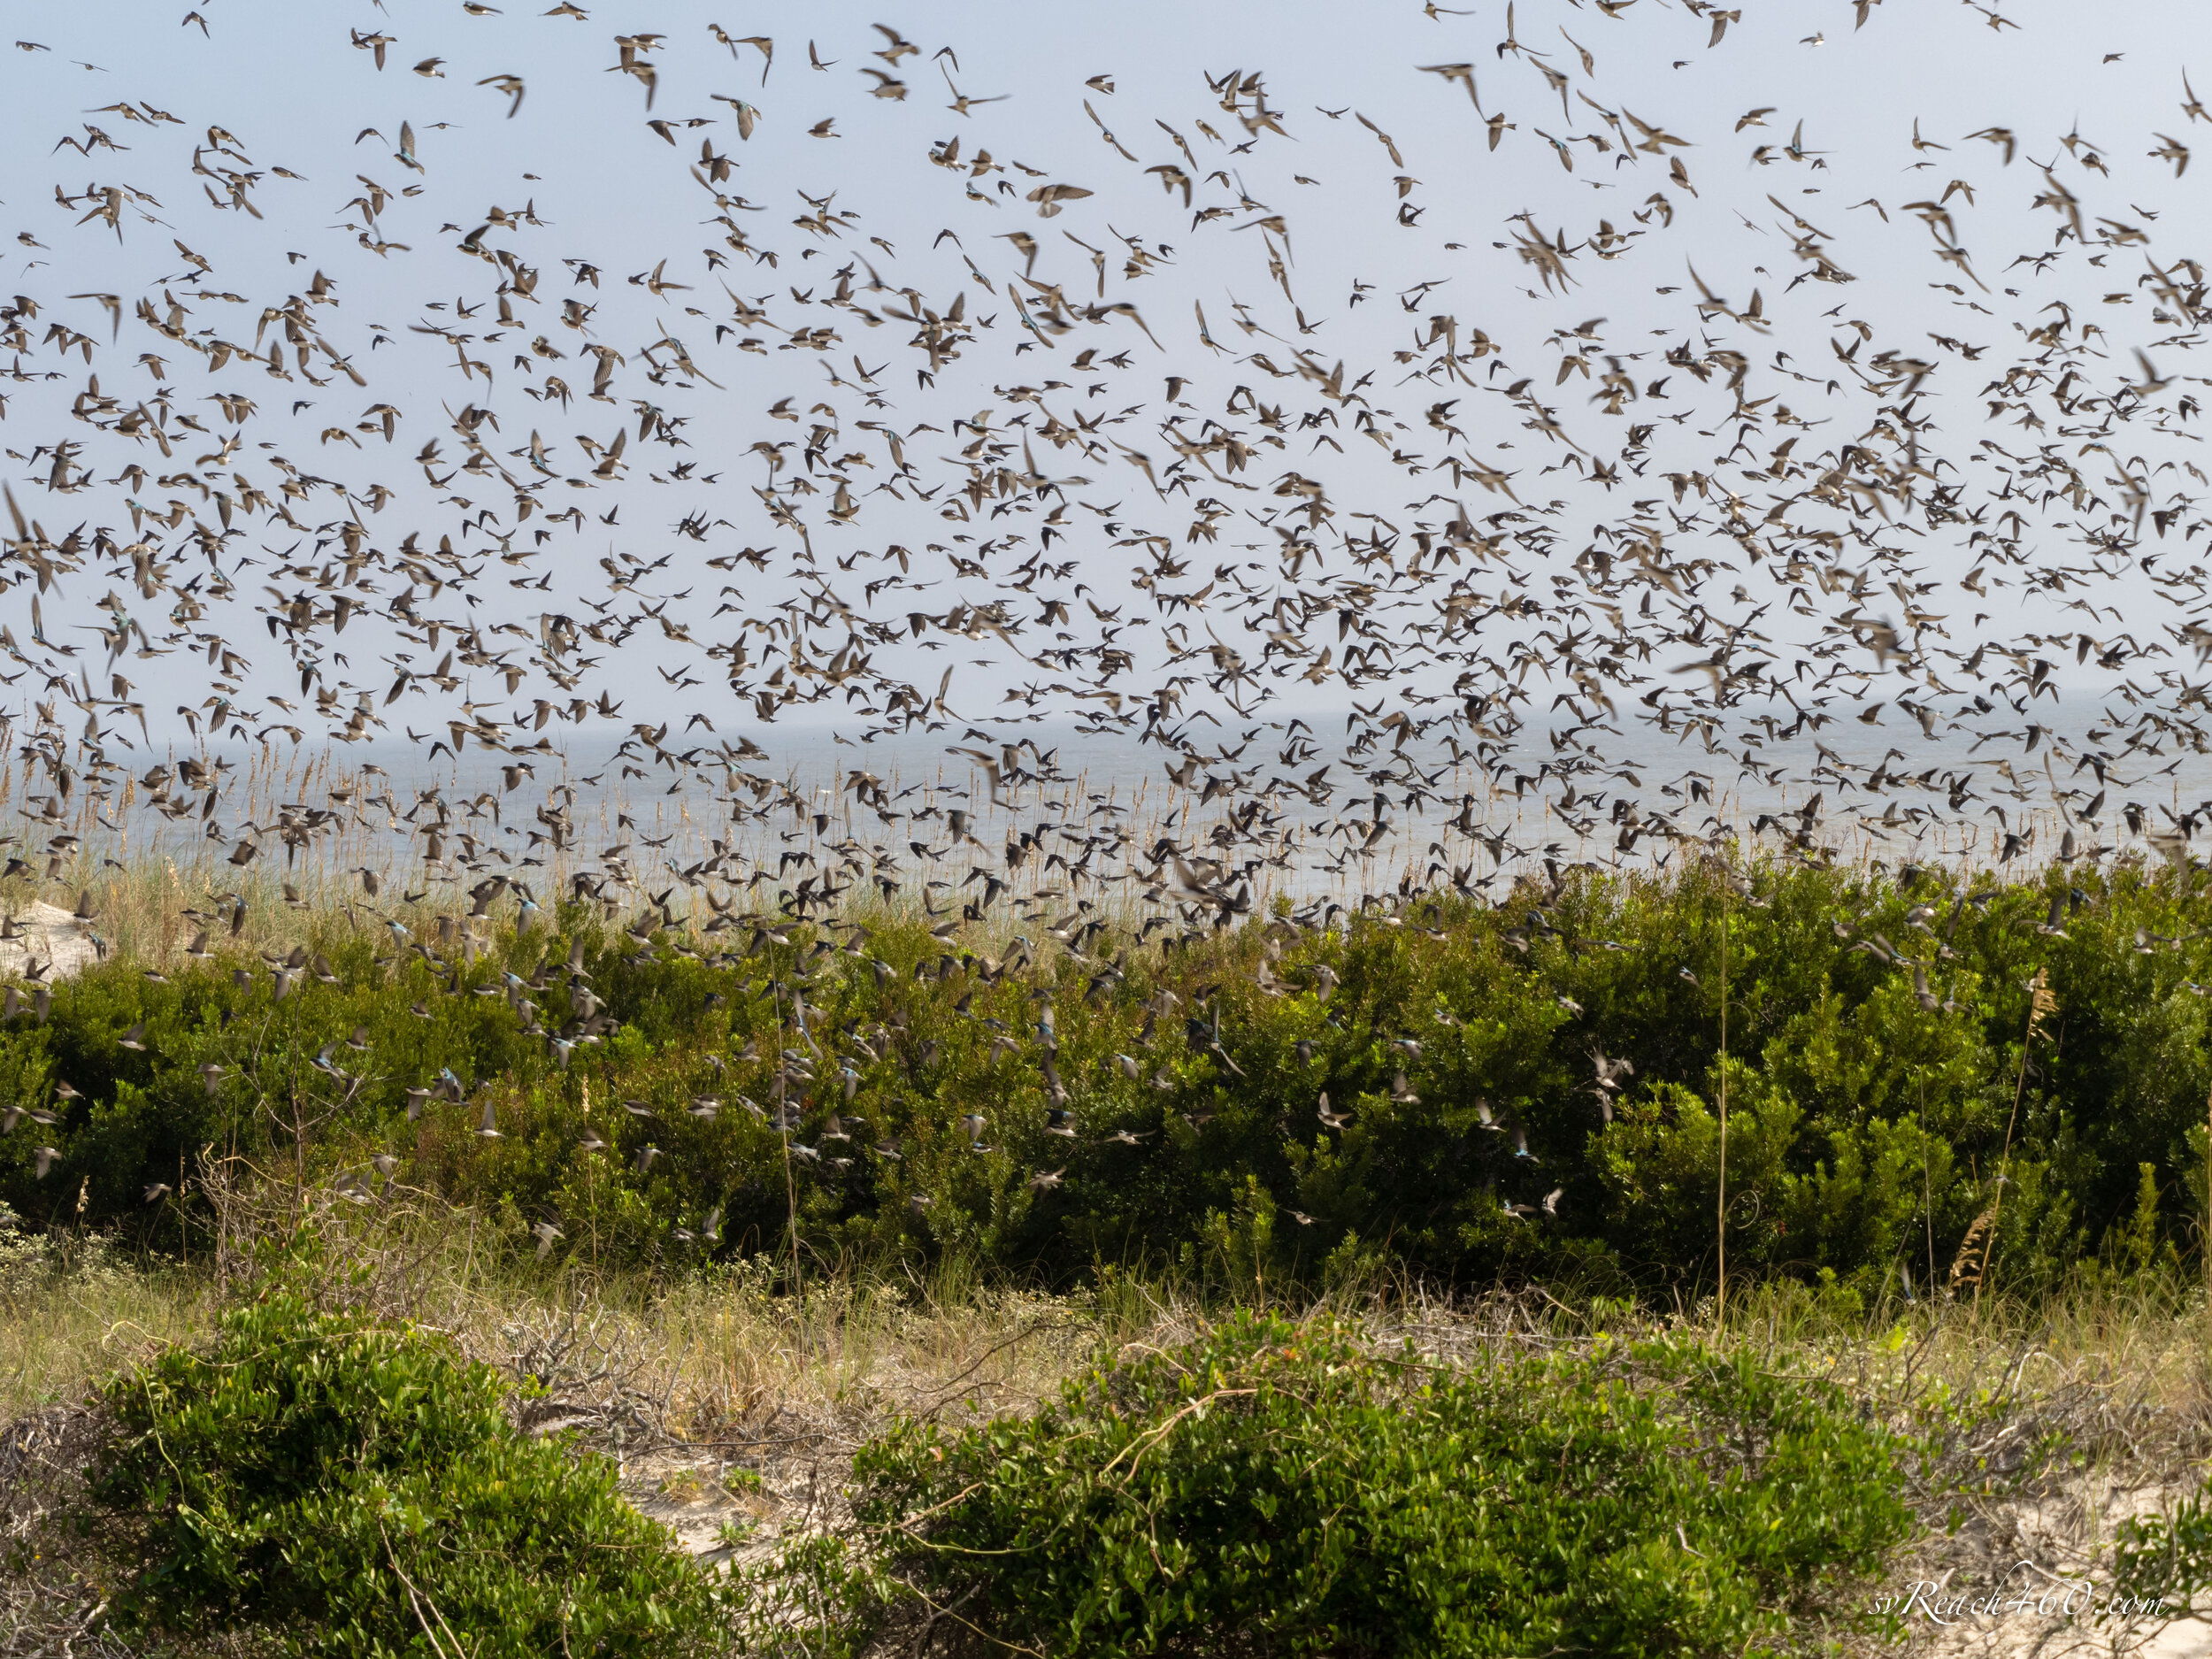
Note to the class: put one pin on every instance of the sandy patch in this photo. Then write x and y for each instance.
(45, 933)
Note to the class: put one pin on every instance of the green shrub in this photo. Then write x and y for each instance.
(2164, 1563)
(1287, 1488)
(349, 1487)
(1868, 1122)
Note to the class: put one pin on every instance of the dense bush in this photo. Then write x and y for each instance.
(347, 1487)
(1871, 1112)
(1288, 1489)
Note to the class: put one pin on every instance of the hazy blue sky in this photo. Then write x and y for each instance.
(284, 82)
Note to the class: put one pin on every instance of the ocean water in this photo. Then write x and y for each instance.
(1399, 816)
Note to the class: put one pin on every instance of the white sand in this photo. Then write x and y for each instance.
(45, 933)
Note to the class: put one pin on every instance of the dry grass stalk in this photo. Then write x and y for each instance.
(1972, 1258)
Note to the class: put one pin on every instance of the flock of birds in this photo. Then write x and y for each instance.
(1498, 539)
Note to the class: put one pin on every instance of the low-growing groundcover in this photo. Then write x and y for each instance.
(2167, 1559)
(1283, 1488)
(348, 1487)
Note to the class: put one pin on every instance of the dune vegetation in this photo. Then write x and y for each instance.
(886, 1247)
(1926, 1081)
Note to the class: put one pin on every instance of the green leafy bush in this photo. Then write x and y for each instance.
(1870, 1119)
(2164, 1562)
(1286, 1489)
(349, 1487)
